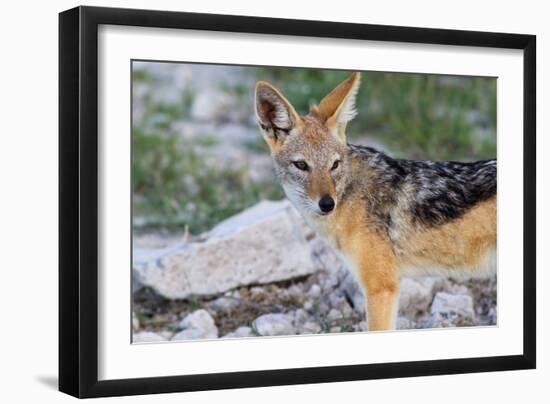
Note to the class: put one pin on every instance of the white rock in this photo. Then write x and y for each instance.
(345, 309)
(300, 316)
(334, 315)
(417, 294)
(327, 258)
(146, 336)
(167, 335)
(273, 324)
(309, 327)
(245, 249)
(439, 320)
(350, 287)
(323, 308)
(315, 291)
(295, 290)
(135, 322)
(191, 333)
(241, 332)
(256, 291)
(235, 294)
(200, 321)
(335, 298)
(404, 323)
(451, 311)
(363, 326)
(224, 303)
(445, 303)
(305, 324)
(457, 289)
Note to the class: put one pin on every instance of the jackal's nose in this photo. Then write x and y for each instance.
(326, 203)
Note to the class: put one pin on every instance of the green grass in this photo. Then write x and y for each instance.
(256, 145)
(414, 115)
(141, 75)
(175, 186)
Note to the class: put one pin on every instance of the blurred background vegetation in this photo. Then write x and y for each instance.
(198, 158)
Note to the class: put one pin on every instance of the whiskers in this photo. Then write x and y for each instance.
(301, 200)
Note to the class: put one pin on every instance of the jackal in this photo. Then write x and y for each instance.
(387, 217)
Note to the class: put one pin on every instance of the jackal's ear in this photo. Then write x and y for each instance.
(338, 107)
(276, 116)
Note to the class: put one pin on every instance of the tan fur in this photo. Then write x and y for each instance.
(320, 184)
(294, 115)
(330, 107)
(374, 260)
(314, 130)
(332, 102)
(461, 243)
(377, 258)
(264, 109)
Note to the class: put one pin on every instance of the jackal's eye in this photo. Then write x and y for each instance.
(335, 165)
(300, 165)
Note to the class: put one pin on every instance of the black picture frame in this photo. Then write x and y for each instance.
(78, 200)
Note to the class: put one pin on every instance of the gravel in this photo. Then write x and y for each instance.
(323, 302)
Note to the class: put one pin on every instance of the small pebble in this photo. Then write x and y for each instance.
(146, 336)
(334, 315)
(315, 291)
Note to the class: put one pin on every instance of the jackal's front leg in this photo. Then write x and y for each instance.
(380, 282)
(381, 307)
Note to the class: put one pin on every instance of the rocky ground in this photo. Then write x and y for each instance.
(326, 299)
(312, 305)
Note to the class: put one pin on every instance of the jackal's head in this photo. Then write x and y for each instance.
(309, 151)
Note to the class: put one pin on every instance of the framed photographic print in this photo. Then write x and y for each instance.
(251, 201)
